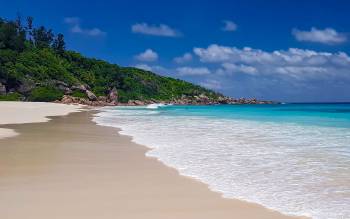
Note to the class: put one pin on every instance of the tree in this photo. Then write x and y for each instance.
(59, 44)
(30, 22)
(30, 28)
(12, 36)
(42, 38)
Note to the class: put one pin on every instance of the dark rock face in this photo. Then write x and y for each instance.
(63, 87)
(113, 96)
(26, 87)
(2, 89)
(80, 87)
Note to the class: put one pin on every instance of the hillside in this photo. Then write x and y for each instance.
(34, 66)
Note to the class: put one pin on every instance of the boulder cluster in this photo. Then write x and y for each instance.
(111, 99)
(92, 100)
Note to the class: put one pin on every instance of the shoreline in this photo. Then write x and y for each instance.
(119, 130)
(14, 112)
(115, 172)
(291, 216)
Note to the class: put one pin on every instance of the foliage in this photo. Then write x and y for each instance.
(80, 94)
(10, 97)
(45, 94)
(37, 55)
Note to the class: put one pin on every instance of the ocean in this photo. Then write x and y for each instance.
(293, 158)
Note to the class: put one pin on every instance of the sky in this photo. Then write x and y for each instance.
(292, 51)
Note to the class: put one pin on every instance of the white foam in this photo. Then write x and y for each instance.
(155, 105)
(297, 170)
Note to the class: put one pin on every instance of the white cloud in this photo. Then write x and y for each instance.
(75, 27)
(326, 36)
(234, 68)
(155, 30)
(295, 63)
(187, 57)
(229, 26)
(72, 20)
(144, 67)
(190, 71)
(211, 84)
(147, 56)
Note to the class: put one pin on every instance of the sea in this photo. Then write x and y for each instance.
(293, 158)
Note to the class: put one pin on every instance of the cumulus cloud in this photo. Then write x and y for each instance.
(155, 30)
(147, 56)
(295, 63)
(187, 57)
(326, 36)
(75, 27)
(72, 20)
(229, 26)
(211, 84)
(190, 71)
(144, 67)
(234, 68)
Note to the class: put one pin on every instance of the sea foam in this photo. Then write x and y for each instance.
(295, 169)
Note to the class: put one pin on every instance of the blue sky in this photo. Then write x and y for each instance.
(281, 50)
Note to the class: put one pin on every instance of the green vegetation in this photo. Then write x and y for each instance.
(45, 94)
(10, 97)
(79, 93)
(33, 61)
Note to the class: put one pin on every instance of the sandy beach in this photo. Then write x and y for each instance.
(30, 112)
(68, 167)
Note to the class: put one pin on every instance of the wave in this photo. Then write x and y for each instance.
(297, 170)
(155, 105)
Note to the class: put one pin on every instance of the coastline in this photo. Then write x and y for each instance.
(13, 112)
(72, 168)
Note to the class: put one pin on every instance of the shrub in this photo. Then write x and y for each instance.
(45, 94)
(80, 94)
(99, 91)
(10, 97)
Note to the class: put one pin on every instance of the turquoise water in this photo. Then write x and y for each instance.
(331, 115)
(294, 158)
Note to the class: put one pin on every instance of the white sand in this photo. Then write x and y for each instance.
(70, 168)
(30, 112)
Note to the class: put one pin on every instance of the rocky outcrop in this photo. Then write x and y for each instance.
(79, 87)
(2, 89)
(135, 103)
(26, 86)
(113, 96)
(90, 95)
(204, 100)
(77, 100)
(63, 87)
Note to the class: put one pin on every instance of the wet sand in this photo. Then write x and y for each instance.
(71, 168)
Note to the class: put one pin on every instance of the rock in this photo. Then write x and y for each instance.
(67, 99)
(2, 89)
(139, 103)
(102, 98)
(80, 87)
(26, 86)
(131, 103)
(91, 95)
(68, 91)
(60, 83)
(113, 96)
